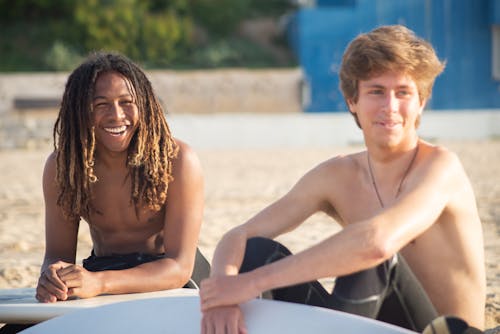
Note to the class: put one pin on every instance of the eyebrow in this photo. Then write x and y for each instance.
(104, 97)
(375, 85)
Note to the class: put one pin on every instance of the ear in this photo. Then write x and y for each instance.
(352, 106)
(423, 104)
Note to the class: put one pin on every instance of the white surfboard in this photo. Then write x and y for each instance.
(20, 306)
(181, 314)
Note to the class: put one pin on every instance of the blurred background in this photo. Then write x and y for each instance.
(230, 61)
(252, 85)
(47, 35)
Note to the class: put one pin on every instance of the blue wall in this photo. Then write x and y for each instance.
(459, 30)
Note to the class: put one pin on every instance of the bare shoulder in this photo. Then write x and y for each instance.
(436, 151)
(440, 157)
(50, 162)
(341, 165)
(332, 174)
(187, 160)
(49, 171)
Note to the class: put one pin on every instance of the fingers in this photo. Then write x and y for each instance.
(44, 296)
(55, 281)
(208, 294)
(51, 275)
(224, 320)
(242, 329)
(74, 277)
(71, 276)
(50, 288)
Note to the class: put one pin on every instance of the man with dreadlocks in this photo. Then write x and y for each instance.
(411, 245)
(117, 166)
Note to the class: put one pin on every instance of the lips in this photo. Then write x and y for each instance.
(389, 124)
(117, 130)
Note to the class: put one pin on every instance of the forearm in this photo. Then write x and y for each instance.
(341, 254)
(158, 275)
(229, 253)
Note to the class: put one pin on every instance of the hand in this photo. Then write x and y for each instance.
(80, 282)
(50, 287)
(226, 290)
(227, 319)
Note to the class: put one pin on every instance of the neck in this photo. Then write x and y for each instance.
(115, 160)
(387, 174)
(389, 153)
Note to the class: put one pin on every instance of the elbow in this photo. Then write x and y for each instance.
(381, 252)
(177, 276)
(381, 247)
(184, 275)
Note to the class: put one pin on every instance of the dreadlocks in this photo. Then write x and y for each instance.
(150, 152)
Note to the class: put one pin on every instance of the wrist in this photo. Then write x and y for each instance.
(227, 270)
(256, 281)
(102, 283)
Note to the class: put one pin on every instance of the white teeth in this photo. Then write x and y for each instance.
(117, 129)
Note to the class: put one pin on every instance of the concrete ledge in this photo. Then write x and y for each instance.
(34, 103)
(318, 130)
(269, 130)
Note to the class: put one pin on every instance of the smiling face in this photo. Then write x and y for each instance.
(388, 108)
(115, 114)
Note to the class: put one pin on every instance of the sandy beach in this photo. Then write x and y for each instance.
(238, 184)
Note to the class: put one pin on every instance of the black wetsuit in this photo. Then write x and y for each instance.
(388, 292)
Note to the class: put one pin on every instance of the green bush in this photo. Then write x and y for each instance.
(111, 25)
(232, 52)
(60, 57)
(220, 17)
(165, 38)
(55, 35)
(157, 36)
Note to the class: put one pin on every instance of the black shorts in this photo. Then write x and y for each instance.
(126, 261)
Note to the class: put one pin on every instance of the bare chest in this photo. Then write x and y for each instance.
(117, 226)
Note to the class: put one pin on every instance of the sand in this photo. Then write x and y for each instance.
(238, 184)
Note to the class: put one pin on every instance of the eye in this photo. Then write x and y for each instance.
(376, 92)
(127, 102)
(100, 105)
(403, 93)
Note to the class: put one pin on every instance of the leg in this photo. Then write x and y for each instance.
(388, 292)
(262, 251)
(363, 292)
(407, 305)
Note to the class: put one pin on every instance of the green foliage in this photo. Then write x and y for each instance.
(60, 57)
(130, 27)
(34, 9)
(56, 35)
(165, 38)
(111, 25)
(231, 52)
(220, 16)
(270, 7)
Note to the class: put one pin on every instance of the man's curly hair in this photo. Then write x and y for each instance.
(150, 152)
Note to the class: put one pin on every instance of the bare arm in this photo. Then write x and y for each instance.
(182, 221)
(280, 217)
(60, 240)
(274, 220)
(367, 242)
(183, 217)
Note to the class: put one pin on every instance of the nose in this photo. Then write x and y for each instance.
(390, 103)
(116, 111)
